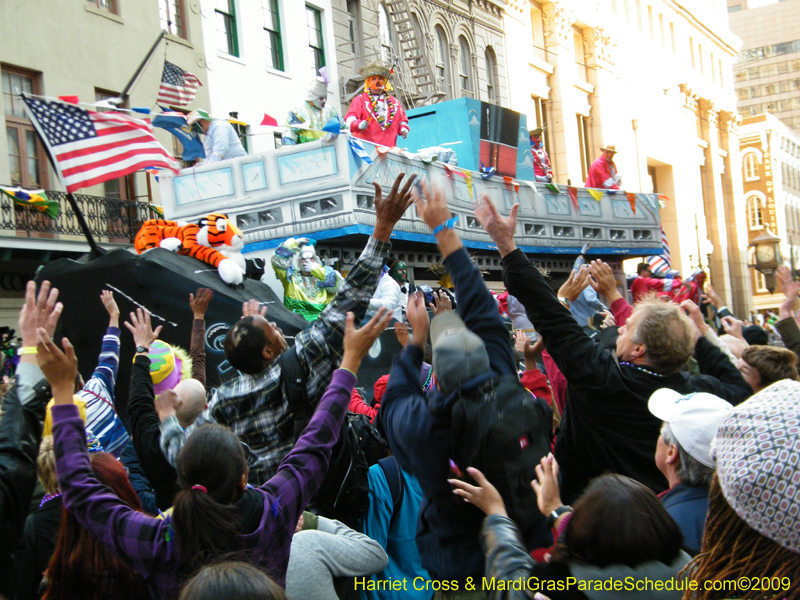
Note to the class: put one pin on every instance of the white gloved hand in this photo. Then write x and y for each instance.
(363, 125)
(404, 133)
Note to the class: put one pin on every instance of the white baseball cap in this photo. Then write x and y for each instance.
(693, 419)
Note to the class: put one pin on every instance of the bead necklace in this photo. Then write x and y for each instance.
(47, 498)
(641, 368)
(374, 103)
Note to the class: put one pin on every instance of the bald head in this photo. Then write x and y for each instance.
(192, 396)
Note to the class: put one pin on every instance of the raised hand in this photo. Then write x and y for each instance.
(441, 302)
(431, 205)
(253, 308)
(500, 229)
(401, 331)
(418, 318)
(357, 342)
(548, 494)
(389, 210)
(107, 298)
(38, 311)
(603, 281)
(693, 311)
(199, 304)
(484, 495)
(575, 284)
(733, 326)
(59, 368)
(140, 327)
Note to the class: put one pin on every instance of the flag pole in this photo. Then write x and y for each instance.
(96, 250)
(124, 94)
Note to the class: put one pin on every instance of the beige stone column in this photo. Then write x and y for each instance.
(558, 20)
(741, 297)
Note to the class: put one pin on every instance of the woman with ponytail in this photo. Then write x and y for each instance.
(216, 515)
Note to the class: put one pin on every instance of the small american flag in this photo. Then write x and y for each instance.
(663, 263)
(88, 148)
(178, 87)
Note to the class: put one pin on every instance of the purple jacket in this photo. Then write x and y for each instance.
(146, 543)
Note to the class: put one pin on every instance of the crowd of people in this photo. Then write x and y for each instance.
(659, 458)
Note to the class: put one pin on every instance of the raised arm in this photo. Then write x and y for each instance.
(197, 348)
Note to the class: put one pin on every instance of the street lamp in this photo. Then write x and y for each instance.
(768, 256)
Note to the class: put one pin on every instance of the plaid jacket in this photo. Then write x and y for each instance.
(147, 543)
(255, 407)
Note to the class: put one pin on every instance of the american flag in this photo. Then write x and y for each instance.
(661, 263)
(178, 87)
(88, 148)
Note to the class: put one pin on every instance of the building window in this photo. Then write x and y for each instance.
(354, 26)
(491, 74)
(751, 167)
(580, 54)
(661, 31)
(755, 213)
(540, 120)
(272, 33)
(172, 14)
(122, 188)
(26, 158)
(316, 46)
(385, 30)
(109, 5)
(227, 41)
(650, 23)
(672, 37)
(583, 144)
(691, 51)
(761, 282)
(465, 67)
(442, 62)
(537, 29)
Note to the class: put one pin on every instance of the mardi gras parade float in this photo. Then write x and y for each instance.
(318, 196)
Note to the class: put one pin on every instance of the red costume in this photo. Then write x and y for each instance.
(603, 175)
(385, 119)
(642, 285)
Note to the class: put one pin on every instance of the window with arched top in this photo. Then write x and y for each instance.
(751, 167)
(442, 63)
(386, 33)
(491, 73)
(755, 212)
(464, 67)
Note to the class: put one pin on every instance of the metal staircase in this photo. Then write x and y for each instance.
(413, 53)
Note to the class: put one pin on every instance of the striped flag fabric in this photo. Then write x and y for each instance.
(663, 263)
(178, 87)
(88, 148)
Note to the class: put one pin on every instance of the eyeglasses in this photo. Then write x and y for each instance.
(250, 458)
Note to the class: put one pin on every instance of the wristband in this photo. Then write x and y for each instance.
(448, 224)
(27, 350)
(553, 517)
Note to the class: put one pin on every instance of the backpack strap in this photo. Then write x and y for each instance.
(394, 477)
(294, 389)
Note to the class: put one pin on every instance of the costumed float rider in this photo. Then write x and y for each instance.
(313, 112)
(221, 141)
(375, 115)
(603, 173)
(393, 290)
(308, 286)
(541, 161)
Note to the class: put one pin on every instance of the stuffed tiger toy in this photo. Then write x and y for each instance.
(215, 240)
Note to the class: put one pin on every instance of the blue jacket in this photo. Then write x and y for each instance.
(418, 431)
(688, 506)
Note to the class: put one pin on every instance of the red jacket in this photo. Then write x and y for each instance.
(601, 175)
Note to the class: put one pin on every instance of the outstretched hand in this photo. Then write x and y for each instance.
(500, 229)
(142, 330)
(199, 304)
(693, 311)
(603, 281)
(38, 311)
(484, 495)
(733, 326)
(389, 210)
(548, 494)
(441, 302)
(253, 308)
(430, 204)
(59, 368)
(573, 287)
(107, 298)
(417, 316)
(357, 342)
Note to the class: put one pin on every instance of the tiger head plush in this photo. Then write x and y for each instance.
(218, 232)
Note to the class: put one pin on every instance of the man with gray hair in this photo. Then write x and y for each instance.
(683, 455)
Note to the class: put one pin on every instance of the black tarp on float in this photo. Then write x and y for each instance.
(161, 282)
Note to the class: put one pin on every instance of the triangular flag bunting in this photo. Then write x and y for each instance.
(358, 150)
(632, 201)
(468, 178)
(333, 126)
(553, 187)
(596, 194)
(662, 200)
(573, 195)
(269, 121)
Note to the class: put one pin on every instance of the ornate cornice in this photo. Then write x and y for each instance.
(558, 20)
(598, 46)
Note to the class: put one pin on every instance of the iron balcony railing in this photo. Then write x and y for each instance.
(110, 220)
